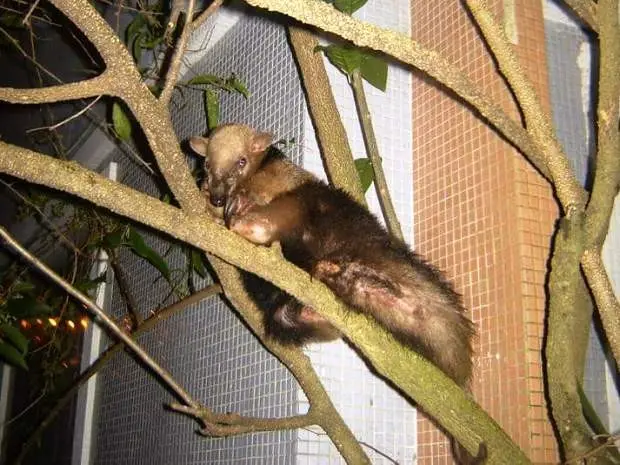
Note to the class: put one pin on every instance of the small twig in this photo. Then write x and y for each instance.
(609, 442)
(175, 63)
(102, 318)
(206, 14)
(26, 19)
(24, 411)
(28, 57)
(44, 217)
(372, 150)
(230, 424)
(123, 287)
(66, 120)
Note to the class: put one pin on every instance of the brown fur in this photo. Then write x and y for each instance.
(324, 231)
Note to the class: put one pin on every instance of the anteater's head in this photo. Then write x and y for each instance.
(233, 153)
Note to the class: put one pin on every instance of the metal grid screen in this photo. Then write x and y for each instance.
(205, 347)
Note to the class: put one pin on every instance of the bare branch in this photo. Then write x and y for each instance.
(586, 10)
(606, 300)
(607, 174)
(231, 424)
(211, 9)
(402, 48)
(175, 63)
(102, 318)
(372, 150)
(75, 90)
(569, 191)
(330, 132)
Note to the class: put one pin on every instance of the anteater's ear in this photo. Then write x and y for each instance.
(260, 142)
(199, 145)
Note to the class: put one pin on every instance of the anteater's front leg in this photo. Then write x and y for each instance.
(263, 224)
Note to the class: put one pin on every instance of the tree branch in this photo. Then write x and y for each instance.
(330, 132)
(607, 174)
(179, 50)
(403, 48)
(604, 296)
(372, 150)
(567, 188)
(152, 115)
(63, 92)
(586, 11)
(231, 424)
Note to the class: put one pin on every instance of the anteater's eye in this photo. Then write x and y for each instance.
(242, 162)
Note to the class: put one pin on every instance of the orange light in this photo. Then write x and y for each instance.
(39, 322)
(84, 323)
(70, 324)
(52, 322)
(24, 324)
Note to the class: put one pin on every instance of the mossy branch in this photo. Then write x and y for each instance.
(330, 132)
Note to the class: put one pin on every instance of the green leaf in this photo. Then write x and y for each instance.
(349, 6)
(212, 105)
(114, 240)
(139, 247)
(374, 70)
(239, 86)
(27, 307)
(197, 264)
(10, 355)
(134, 27)
(14, 336)
(365, 172)
(89, 284)
(21, 287)
(136, 50)
(345, 58)
(122, 125)
(206, 79)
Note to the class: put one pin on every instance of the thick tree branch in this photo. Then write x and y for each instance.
(330, 132)
(403, 48)
(63, 92)
(569, 191)
(607, 174)
(586, 11)
(604, 296)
